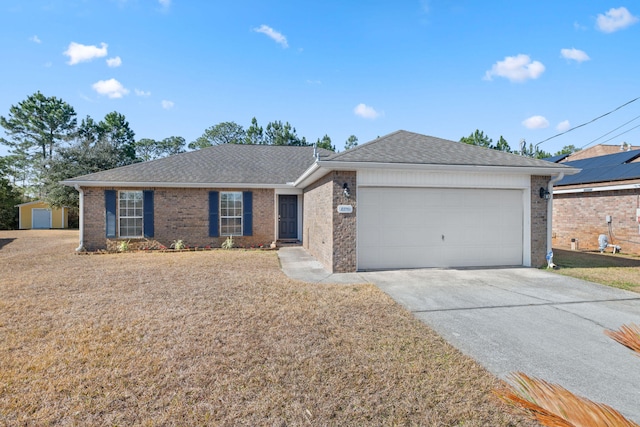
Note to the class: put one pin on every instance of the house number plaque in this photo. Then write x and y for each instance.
(345, 209)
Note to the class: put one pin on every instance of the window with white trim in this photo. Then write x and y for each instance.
(130, 214)
(231, 213)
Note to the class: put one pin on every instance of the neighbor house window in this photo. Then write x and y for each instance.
(231, 213)
(130, 213)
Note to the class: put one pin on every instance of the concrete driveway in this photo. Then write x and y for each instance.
(520, 319)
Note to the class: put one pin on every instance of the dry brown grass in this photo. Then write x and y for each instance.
(619, 271)
(627, 335)
(216, 338)
(555, 406)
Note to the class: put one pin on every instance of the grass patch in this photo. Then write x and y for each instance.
(617, 270)
(216, 338)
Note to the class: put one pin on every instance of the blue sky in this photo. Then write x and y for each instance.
(438, 67)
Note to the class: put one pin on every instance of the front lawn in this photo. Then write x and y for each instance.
(216, 338)
(617, 270)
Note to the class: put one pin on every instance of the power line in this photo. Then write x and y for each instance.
(622, 133)
(611, 131)
(589, 122)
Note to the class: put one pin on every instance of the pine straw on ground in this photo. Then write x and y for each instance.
(627, 335)
(216, 338)
(555, 406)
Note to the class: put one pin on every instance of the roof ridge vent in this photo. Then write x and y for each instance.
(625, 146)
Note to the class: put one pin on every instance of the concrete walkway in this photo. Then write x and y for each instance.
(516, 319)
(298, 264)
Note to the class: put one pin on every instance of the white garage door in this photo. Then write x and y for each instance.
(40, 218)
(439, 227)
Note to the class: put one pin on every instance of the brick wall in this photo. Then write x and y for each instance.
(344, 225)
(179, 214)
(538, 222)
(94, 219)
(317, 231)
(328, 235)
(582, 216)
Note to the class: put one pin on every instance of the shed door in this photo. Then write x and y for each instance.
(40, 218)
(439, 227)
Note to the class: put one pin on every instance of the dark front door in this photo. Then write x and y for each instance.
(288, 217)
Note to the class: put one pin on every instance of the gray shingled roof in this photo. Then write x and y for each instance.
(413, 148)
(279, 165)
(227, 163)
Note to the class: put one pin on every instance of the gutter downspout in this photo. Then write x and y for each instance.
(80, 247)
(550, 263)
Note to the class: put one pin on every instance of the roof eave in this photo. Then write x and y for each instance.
(310, 175)
(594, 189)
(127, 184)
(551, 170)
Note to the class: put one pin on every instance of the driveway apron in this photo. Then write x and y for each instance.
(522, 319)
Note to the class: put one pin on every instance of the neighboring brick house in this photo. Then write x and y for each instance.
(604, 198)
(404, 200)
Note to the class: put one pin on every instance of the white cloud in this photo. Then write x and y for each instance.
(111, 88)
(165, 3)
(80, 53)
(114, 62)
(35, 39)
(273, 34)
(516, 68)
(536, 122)
(139, 92)
(575, 54)
(563, 126)
(579, 27)
(615, 19)
(366, 112)
(167, 105)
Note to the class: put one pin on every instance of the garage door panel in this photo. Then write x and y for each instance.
(369, 241)
(407, 257)
(481, 227)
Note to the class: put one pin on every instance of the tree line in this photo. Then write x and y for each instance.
(275, 133)
(480, 139)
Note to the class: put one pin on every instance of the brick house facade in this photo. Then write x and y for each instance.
(255, 191)
(582, 217)
(179, 214)
(607, 187)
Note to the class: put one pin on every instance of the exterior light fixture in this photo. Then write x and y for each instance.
(544, 193)
(345, 190)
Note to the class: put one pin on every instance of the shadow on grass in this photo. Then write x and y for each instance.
(4, 242)
(577, 259)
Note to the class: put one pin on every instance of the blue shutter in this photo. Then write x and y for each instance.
(147, 215)
(110, 206)
(247, 213)
(213, 214)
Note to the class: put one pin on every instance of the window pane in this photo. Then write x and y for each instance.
(130, 213)
(231, 213)
(237, 226)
